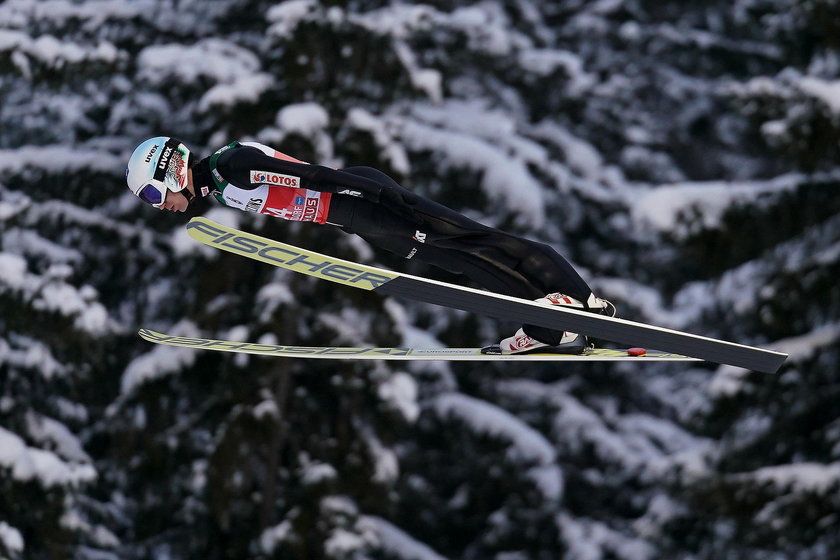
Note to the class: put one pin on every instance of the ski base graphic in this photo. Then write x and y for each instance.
(425, 354)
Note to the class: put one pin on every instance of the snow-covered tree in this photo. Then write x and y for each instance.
(682, 154)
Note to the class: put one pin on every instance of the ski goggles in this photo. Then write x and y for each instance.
(152, 193)
(155, 194)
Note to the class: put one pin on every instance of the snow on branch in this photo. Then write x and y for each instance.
(11, 538)
(49, 292)
(465, 136)
(26, 353)
(591, 539)
(30, 463)
(392, 151)
(826, 91)
(52, 52)
(526, 445)
(396, 542)
(59, 160)
(731, 380)
(813, 478)
(159, 362)
(665, 208)
(234, 69)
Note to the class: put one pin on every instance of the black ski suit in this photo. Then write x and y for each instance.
(370, 204)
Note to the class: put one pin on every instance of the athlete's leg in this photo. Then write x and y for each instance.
(498, 261)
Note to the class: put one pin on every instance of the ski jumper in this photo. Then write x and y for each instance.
(370, 204)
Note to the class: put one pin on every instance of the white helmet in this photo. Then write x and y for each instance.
(158, 165)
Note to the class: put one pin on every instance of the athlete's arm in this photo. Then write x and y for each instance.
(237, 164)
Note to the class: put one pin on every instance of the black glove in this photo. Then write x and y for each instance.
(401, 204)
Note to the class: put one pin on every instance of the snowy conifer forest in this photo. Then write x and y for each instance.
(682, 154)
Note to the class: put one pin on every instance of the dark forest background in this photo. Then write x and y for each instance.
(682, 154)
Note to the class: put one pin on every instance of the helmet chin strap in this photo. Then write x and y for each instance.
(188, 195)
(186, 190)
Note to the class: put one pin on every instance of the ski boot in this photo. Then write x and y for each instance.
(593, 304)
(570, 343)
(521, 343)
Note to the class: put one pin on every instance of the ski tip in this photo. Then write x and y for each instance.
(636, 351)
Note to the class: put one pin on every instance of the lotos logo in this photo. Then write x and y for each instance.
(271, 178)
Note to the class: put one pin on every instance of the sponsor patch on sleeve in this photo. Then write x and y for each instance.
(270, 178)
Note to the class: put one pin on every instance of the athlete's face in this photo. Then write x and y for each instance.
(174, 201)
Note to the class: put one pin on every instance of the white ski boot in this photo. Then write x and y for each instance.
(594, 304)
(521, 343)
(570, 343)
